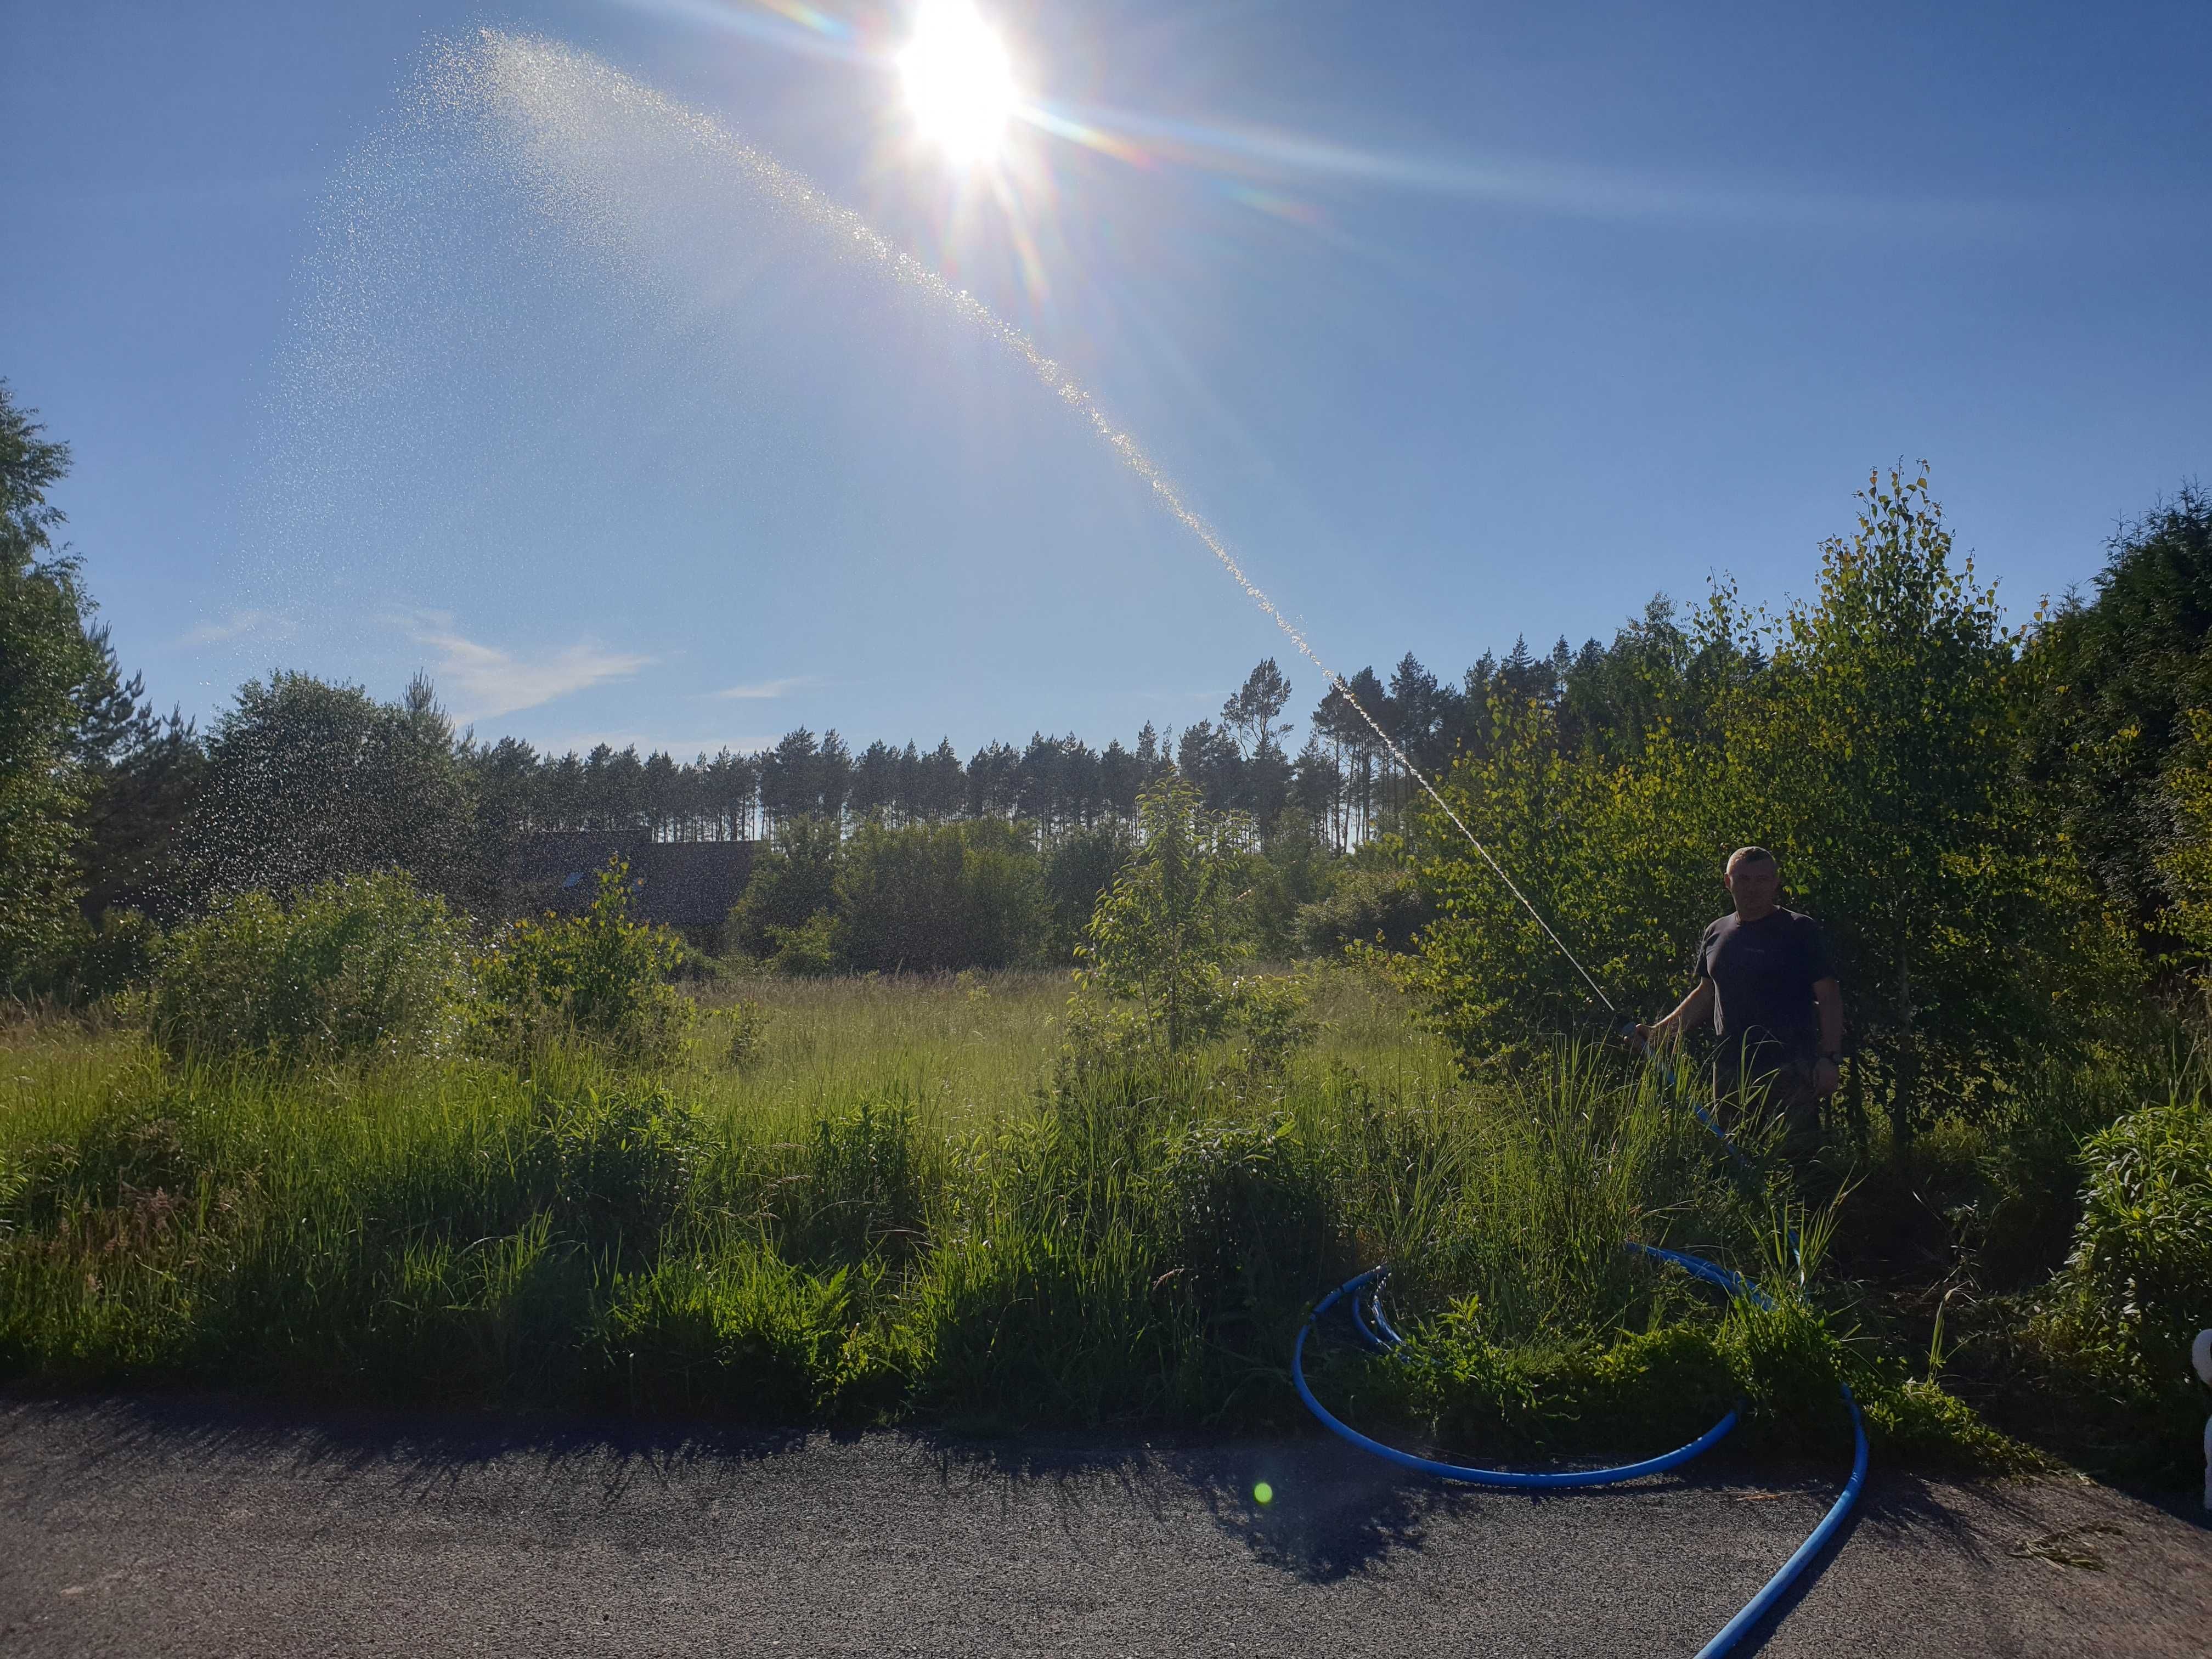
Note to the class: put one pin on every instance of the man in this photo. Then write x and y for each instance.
(1765, 974)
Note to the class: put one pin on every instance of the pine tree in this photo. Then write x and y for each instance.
(1251, 711)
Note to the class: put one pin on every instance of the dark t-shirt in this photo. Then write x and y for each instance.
(1763, 973)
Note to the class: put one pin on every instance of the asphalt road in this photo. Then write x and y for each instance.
(159, 1527)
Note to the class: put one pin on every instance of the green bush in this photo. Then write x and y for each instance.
(746, 1023)
(793, 880)
(599, 974)
(1174, 920)
(807, 951)
(1273, 1013)
(360, 966)
(118, 954)
(1078, 867)
(1380, 907)
(2140, 1275)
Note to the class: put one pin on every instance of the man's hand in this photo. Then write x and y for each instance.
(1827, 1074)
(1650, 1037)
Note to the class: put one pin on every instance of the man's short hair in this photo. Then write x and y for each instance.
(1749, 855)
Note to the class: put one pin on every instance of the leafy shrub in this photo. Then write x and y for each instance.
(807, 951)
(1272, 1011)
(599, 974)
(116, 954)
(746, 1031)
(1917, 1421)
(1173, 918)
(926, 897)
(2142, 1270)
(1079, 866)
(793, 880)
(1379, 907)
(359, 966)
(81, 962)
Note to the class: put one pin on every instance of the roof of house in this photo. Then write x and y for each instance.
(676, 884)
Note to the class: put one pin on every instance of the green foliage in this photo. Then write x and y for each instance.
(1918, 1422)
(1293, 869)
(361, 967)
(1881, 748)
(793, 880)
(1616, 856)
(1134, 1246)
(745, 1025)
(1078, 867)
(933, 897)
(614, 1164)
(2183, 862)
(2141, 1276)
(115, 955)
(1647, 1391)
(1873, 750)
(726, 1330)
(1370, 903)
(308, 781)
(807, 951)
(854, 1192)
(917, 898)
(1273, 1013)
(599, 974)
(141, 775)
(1164, 934)
(1249, 1222)
(2117, 680)
(45, 664)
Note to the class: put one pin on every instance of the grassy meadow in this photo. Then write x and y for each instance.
(880, 1200)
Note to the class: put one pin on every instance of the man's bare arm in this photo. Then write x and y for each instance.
(1692, 1008)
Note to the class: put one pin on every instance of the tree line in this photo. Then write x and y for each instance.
(1343, 786)
(1915, 760)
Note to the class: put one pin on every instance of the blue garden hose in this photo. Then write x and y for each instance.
(1735, 1284)
(1455, 1472)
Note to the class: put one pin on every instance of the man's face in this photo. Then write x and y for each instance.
(1753, 884)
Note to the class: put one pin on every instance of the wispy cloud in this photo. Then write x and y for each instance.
(764, 690)
(263, 624)
(484, 681)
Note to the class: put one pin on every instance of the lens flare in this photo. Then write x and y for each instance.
(959, 82)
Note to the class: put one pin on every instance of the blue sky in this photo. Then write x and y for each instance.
(1457, 322)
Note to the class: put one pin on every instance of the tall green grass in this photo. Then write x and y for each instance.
(905, 1202)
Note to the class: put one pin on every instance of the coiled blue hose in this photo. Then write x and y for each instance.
(1735, 1284)
(1456, 1471)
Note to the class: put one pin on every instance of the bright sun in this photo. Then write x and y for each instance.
(958, 81)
